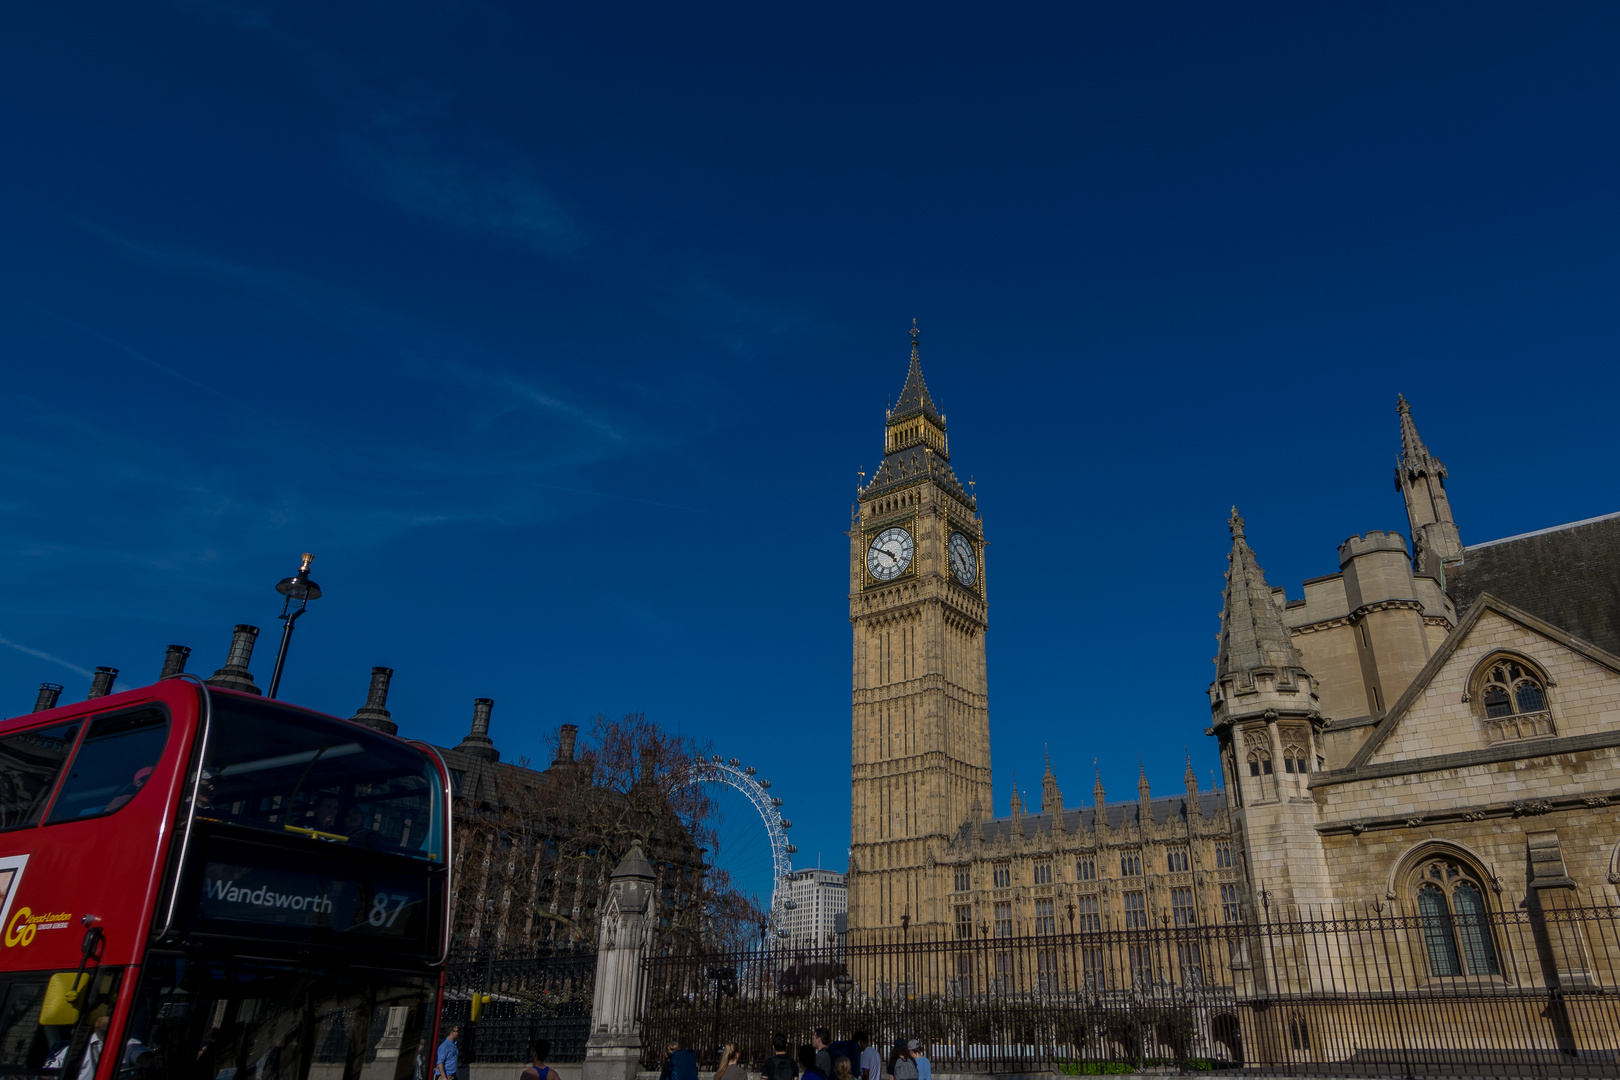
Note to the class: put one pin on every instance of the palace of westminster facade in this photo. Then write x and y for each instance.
(1439, 727)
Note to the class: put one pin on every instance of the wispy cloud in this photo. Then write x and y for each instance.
(8, 643)
(500, 199)
(136, 353)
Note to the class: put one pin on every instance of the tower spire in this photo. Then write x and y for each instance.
(1252, 632)
(914, 397)
(1421, 480)
(1051, 798)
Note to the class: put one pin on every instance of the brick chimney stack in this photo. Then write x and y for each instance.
(235, 675)
(101, 683)
(174, 661)
(374, 713)
(48, 693)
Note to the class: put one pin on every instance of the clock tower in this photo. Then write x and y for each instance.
(921, 728)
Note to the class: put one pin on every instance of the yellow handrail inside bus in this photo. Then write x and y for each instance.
(316, 833)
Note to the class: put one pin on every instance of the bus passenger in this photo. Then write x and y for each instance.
(129, 790)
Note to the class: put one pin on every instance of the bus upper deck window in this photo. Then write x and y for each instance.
(283, 770)
(30, 762)
(115, 761)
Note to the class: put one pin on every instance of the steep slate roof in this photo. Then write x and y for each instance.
(1252, 631)
(914, 398)
(1117, 815)
(1568, 575)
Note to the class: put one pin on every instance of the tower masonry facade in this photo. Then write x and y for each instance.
(920, 702)
(927, 854)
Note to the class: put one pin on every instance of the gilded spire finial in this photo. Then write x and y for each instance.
(914, 331)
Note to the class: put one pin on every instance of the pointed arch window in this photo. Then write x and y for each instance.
(1294, 760)
(1455, 920)
(1512, 696)
(1259, 763)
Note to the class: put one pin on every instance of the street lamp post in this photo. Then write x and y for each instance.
(300, 588)
(725, 983)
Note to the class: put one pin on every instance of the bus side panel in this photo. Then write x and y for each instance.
(105, 871)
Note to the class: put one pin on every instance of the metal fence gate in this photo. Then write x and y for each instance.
(534, 994)
(1379, 991)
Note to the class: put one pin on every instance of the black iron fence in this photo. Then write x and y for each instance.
(1377, 991)
(533, 994)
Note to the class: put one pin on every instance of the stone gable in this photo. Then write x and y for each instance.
(1583, 693)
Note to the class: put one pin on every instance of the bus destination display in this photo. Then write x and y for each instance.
(306, 899)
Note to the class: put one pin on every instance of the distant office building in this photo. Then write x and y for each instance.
(818, 897)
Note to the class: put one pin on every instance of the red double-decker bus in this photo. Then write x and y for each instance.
(197, 883)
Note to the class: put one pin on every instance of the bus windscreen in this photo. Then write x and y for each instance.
(285, 771)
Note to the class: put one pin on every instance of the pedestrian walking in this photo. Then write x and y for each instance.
(807, 1062)
(901, 1067)
(539, 1050)
(821, 1042)
(780, 1065)
(871, 1063)
(925, 1068)
(447, 1062)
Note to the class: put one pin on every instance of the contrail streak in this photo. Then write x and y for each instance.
(137, 354)
(45, 656)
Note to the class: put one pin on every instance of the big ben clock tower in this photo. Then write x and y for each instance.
(921, 729)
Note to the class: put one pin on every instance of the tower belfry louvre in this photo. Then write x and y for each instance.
(920, 725)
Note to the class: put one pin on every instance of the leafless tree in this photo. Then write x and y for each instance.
(536, 848)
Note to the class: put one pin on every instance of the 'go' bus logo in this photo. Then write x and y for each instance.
(21, 930)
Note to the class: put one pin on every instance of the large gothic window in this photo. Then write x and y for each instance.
(1513, 699)
(1455, 922)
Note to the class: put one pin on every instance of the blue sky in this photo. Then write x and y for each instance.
(559, 334)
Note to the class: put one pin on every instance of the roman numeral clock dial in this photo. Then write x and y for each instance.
(889, 554)
(964, 564)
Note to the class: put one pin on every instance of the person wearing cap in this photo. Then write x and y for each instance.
(925, 1068)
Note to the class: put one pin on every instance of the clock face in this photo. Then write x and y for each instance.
(889, 554)
(963, 563)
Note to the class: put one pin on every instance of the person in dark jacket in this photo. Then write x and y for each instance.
(780, 1065)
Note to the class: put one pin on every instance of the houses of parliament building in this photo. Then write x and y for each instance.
(1429, 725)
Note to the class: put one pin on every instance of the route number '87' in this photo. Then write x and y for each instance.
(380, 915)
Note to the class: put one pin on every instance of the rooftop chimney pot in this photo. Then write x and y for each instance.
(101, 683)
(565, 744)
(477, 742)
(174, 661)
(374, 713)
(235, 675)
(48, 693)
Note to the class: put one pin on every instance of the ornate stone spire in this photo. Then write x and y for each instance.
(1421, 480)
(1252, 632)
(914, 399)
(1097, 790)
(1190, 778)
(1142, 781)
(1017, 803)
(1051, 798)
